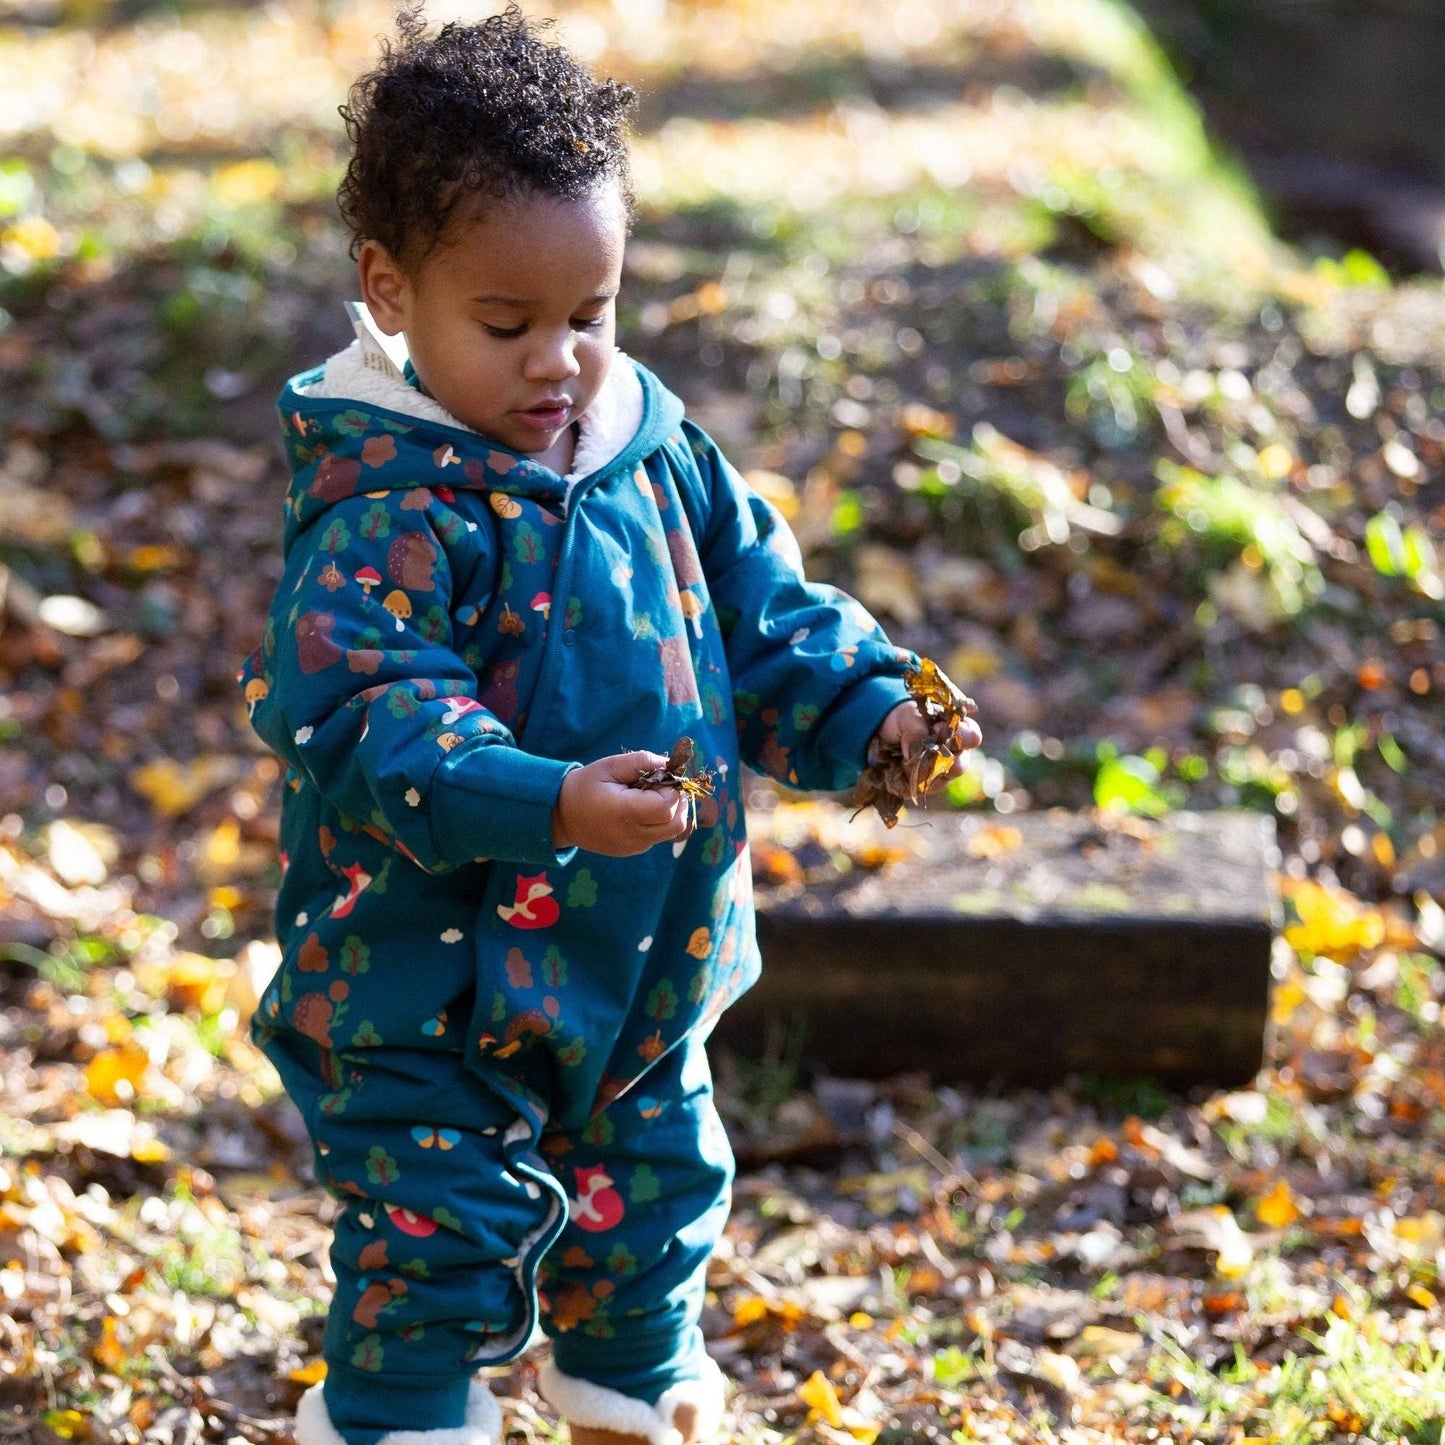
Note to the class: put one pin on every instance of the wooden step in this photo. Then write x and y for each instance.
(1024, 949)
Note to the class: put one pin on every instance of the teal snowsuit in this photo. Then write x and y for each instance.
(497, 1047)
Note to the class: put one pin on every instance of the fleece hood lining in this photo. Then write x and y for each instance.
(369, 371)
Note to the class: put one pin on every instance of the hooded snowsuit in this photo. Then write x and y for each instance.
(497, 1047)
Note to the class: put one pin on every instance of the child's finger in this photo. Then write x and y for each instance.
(624, 767)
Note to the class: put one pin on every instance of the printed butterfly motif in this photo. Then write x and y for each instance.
(436, 1138)
(434, 1028)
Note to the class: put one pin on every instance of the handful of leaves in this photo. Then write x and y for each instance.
(678, 772)
(890, 780)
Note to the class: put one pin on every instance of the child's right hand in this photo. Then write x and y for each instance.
(600, 811)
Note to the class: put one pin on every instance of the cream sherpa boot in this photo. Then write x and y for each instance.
(690, 1413)
(483, 1424)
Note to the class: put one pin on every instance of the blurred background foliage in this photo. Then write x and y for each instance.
(1120, 394)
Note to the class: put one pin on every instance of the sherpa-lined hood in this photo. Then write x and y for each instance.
(363, 439)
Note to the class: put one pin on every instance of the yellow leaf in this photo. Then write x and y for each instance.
(308, 1374)
(109, 1353)
(817, 1393)
(1332, 922)
(993, 840)
(1419, 1295)
(173, 788)
(68, 1424)
(114, 1076)
(1278, 1209)
(35, 238)
(246, 182)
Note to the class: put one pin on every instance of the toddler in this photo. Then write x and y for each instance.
(515, 575)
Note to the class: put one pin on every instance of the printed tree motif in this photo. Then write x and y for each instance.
(375, 522)
(353, 423)
(381, 1167)
(805, 714)
(712, 850)
(527, 544)
(415, 1269)
(712, 704)
(661, 1002)
(446, 1218)
(505, 581)
(336, 537)
(401, 702)
(355, 955)
(572, 1053)
(621, 1261)
(598, 1132)
(573, 617)
(366, 1036)
(554, 966)
(378, 884)
(433, 626)
(645, 1186)
(582, 891)
(368, 1355)
(697, 988)
(449, 527)
(335, 1103)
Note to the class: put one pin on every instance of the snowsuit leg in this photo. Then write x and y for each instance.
(447, 1209)
(649, 1180)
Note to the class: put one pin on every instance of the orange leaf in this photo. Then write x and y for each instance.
(114, 1076)
(1278, 1209)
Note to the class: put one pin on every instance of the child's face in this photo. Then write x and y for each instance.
(510, 321)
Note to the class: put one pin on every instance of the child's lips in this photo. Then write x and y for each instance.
(549, 416)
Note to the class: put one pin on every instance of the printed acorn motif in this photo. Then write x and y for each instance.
(335, 479)
(315, 651)
(534, 905)
(410, 561)
(598, 1205)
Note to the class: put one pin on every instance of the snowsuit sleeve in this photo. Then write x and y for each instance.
(360, 687)
(813, 674)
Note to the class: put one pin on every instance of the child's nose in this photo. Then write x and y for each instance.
(554, 358)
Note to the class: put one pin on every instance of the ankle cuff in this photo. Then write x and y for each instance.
(483, 1424)
(583, 1402)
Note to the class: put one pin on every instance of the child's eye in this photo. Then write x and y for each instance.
(504, 333)
(589, 323)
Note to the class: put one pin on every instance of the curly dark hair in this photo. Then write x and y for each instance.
(481, 110)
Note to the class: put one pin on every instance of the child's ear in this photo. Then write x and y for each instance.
(384, 286)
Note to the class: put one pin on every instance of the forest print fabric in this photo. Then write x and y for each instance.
(453, 632)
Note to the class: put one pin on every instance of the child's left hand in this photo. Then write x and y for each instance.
(906, 727)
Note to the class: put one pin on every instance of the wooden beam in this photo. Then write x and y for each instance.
(1022, 949)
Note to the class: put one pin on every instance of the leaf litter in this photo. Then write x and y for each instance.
(1167, 498)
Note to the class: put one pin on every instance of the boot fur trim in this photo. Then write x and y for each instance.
(583, 1403)
(483, 1425)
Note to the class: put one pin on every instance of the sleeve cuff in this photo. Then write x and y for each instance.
(493, 801)
(845, 733)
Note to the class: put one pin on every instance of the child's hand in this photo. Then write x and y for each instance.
(601, 811)
(909, 729)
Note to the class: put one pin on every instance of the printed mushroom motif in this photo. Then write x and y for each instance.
(692, 610)
(369, 577)
(399, 605)
(256, 689)
(542, 603)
